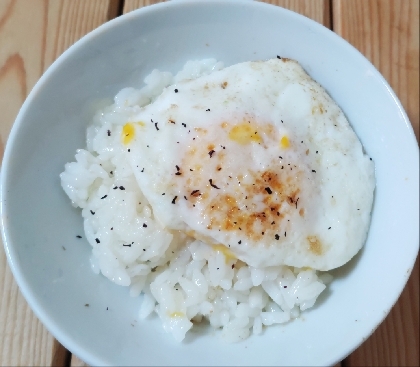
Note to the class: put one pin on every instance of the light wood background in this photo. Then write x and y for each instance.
(33, 33)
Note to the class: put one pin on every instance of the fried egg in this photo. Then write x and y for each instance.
(257, 161)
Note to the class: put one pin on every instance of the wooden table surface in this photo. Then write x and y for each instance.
(33, 33)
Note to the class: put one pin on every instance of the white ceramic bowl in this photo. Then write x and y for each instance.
(38, 221)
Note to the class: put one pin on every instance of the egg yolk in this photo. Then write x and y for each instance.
(244, 133)
(284, 142)
(128, 133)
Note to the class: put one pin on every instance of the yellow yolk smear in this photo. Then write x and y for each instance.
(229, 255)
(284, 142)
(176, 314)
(128, 133)
(245, 133)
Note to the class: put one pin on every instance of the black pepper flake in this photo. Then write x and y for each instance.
(129, 245)
(122, 188)
(172, 121)
(329, 227)
(313, 171)
(185, 125)
(284, 234)
(297, 202)
(142, 170)
(195, 193)
(239, 242)
(268, 190)
(273, 222)
(185, 197)
(278, 57)
(178, 173)
(156, 126)
(277, 237)
(144, 225)
(316, 152)
(262, 233)
(208, 110)
(79, 236)
(112, 228)
(103, 197)
(370, 158)
(302, 141)
(153, 269)
(92, 212)
(278, 214)
(280, 157)
(107, 308)
(211, 152)
(191, 170)
(111, 172)
(97, 240)
(144, 249)
(163, 194)
(176, 90)
(86, 304)
(109, 132)
(358, 209)
(285, 286)
(213, 185)
(233, 265)
(281, 121)
(174, 199)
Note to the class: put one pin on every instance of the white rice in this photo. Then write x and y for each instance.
(183, 280)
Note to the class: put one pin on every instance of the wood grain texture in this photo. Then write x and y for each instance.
(387, 33)
(130, 5)
(77, 362)
(32, 35)
(318, 10)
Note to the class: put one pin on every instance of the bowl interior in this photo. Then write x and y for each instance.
(97, 320)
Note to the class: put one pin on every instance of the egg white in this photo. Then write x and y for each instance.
(258, 158)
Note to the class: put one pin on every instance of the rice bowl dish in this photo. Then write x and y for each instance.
(95, 318)
(242, 241)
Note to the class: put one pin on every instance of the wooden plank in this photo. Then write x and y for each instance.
(130, 5)
(318, 10)
(387, 33)
(33, 34)
(77, 362)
